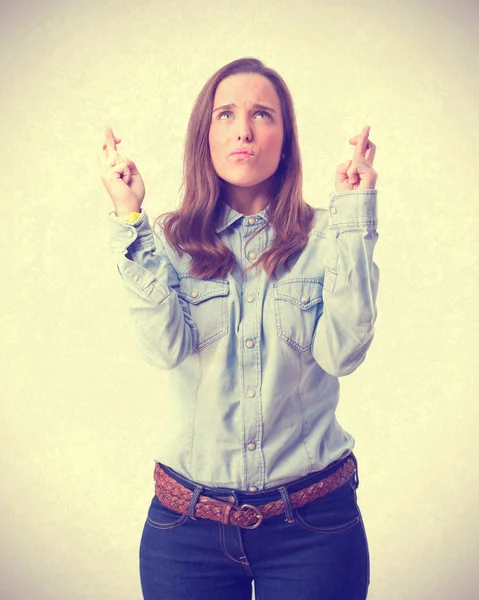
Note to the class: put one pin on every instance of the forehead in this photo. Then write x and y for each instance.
(246, 88)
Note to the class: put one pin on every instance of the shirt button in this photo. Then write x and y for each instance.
(251, 393)
(249, 344)
(251, 446)
(304, 299)
(231, 499)
(252, 255)
(250, 298)
(253, 488)
(251, 220)
(194, 294)
(334, 210)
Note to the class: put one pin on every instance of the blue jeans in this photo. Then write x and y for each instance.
(321, 555)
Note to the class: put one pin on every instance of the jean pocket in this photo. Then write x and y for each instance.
(161, 517)
(334, 513)
(298, 304)
(207, 301)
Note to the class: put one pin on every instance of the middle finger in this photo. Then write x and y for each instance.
(362, 143)
(110, 141)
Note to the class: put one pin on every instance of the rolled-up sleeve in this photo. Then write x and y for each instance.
(346, 327)
(165, 329)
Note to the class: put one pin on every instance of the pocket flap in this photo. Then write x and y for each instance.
(195, 290)
(304, 292)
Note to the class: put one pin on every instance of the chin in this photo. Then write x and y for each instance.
(245, 181)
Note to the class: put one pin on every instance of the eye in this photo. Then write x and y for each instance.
(263, 114)
(225, 114)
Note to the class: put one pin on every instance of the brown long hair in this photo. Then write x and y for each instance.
(191, 228)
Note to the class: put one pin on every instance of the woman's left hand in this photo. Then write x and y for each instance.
(358, 173)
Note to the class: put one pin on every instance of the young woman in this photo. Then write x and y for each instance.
(256, 303)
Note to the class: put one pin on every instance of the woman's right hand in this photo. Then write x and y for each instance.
(120, 177)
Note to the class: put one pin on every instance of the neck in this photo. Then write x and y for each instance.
(247, 200)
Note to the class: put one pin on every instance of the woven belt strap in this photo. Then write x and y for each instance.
(178, 498)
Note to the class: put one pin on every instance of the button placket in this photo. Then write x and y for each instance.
(252, 283)
(251, 250)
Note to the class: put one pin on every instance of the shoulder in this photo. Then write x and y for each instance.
(319, 226)
(178, 259)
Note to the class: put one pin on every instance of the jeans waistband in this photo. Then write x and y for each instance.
(267, 495)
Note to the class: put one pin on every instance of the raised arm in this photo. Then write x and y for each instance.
(165, 330)
(346, 328)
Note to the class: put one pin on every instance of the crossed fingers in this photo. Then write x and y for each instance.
(358, 173)
(120, 166)
(109, 147)
(365, 149)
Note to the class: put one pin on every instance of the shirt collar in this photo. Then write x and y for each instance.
(228, 216)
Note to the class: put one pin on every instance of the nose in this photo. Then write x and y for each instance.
(245, 133)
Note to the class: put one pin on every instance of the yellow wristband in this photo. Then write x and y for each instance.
(131, 218)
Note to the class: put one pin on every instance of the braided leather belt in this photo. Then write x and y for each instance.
(178, 498)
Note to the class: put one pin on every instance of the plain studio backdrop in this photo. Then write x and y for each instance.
(81, 411)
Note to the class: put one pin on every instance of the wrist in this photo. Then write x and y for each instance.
(124, 211)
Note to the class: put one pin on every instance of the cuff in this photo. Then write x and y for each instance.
(123, 233)
(353, 209)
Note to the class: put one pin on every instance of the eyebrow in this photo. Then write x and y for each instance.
(257, 106)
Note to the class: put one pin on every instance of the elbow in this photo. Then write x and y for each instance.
(343, 367)
(340, 359)
(160, 362)
(166, 352)
(164, 360)
(163, 347)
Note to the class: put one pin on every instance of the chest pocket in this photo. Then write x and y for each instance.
(208, 307)
(298, 303)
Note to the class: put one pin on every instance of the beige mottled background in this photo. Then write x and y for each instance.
(80, 411)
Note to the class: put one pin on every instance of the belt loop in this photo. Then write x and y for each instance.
(356, 473)
(287, 505)
(193, 501)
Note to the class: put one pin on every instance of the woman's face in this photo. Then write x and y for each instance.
(246, 131)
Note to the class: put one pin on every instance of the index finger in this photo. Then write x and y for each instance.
(362, 143)
(110, 140)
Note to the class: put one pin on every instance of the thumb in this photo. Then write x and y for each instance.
(352, 172)
(343, 167)
(126, 173)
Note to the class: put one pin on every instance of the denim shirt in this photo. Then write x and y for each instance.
(253, 363)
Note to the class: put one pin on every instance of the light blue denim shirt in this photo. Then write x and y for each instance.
(254, 363)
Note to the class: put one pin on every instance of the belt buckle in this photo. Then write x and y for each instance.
(258, 515)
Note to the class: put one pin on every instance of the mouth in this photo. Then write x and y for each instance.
(242, 152)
